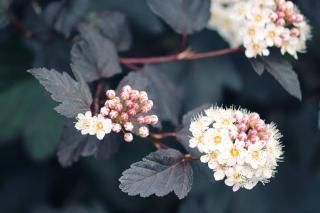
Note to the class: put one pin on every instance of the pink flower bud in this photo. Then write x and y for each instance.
(113, 114)
(128, 137)
(129, 104)
(143, 131)
(242, 136)
(147, 120)
(126, 88)
(299, 18)
(124, 117)
(110, 104)
(281, 22)
(125, 95)
(143, 94)
(242, 127)
(135, 106)
(244, 119)
(128, 126)
(260, 126)
(295, 32)
(104, 111)
(140, 120)
(116, 128)
(154, 119)
(118, 107)
(264, 137)
(132, 112)
(291, 18)
(281, 15)
(254, 116)
(253, 132)
(143, 99)
(254, 138)
(282, 7)
(134, 95)
(110, 94)
(150, 103)
(273, 17)
(144, 109)
(289, 5)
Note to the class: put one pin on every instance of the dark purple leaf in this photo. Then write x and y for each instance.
(94, 56)
(114, 26)
(281, 70)
(165, 95)
(65, 15)
(74, 145)
(159, 173)
(184, 16)
(74, 97)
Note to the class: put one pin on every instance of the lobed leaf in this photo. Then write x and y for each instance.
(65, 15)
(184, 16)
(165, 95)
(94, 56)
(74, 145)
(114, 26)
(159, 173)
(281, 70)
(74, 97)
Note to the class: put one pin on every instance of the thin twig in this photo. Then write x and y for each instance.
(184, 55)
(97, 96)
(162, 135)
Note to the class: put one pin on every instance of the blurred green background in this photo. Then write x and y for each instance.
(31, 179)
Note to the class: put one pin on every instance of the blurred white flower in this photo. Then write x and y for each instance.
(260, 24)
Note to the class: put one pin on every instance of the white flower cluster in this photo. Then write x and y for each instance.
(260, 24)
(238, 146)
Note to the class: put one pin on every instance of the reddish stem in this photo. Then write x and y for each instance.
(19, 25)
(162, 135)
(97, 96)
(184, 55)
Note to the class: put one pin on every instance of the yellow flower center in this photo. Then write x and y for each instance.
(251, 31)
(225, 122)
(258, 18)
(213, 155)
(86, 124)
(256, 47)
(99, 125)
(272, 34)
(234, 152)
(255, 154)
(217, 139)
(237, 177)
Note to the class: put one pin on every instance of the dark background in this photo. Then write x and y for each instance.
(31, 179)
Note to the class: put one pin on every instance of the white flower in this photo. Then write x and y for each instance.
(225, 119)
(273, 34)
(217, 139)
(256, 156)
(256, 48)
(84, 122)
(258, 16)
(253, 33)
(100, 126)
(291, 46)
